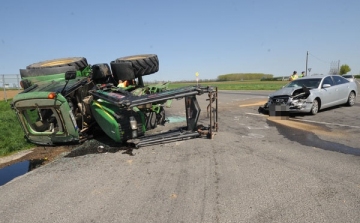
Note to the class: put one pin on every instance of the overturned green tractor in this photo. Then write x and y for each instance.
(64, 100)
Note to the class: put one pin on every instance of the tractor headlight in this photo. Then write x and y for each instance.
(133, 126)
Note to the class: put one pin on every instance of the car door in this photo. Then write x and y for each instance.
(343, 89)
(328, 95)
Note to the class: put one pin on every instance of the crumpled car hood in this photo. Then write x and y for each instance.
(285, 91)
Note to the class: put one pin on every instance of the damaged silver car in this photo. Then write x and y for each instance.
(311, 94)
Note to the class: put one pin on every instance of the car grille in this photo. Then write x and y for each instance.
(279, 100)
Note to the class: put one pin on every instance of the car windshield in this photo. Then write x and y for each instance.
(347, 76)
(309, 83)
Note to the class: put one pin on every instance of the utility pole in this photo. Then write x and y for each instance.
(307, 55)
(18, 81)
(3, 79)
(338, 67)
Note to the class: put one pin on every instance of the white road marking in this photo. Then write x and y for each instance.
(304, 120)
(256, 114)
(254, 136)
(263, 127)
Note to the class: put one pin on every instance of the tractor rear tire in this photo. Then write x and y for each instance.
(55, 66)
(45, 71)
(142, 65)
(78, 62)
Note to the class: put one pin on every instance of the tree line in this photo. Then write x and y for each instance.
(244, 76)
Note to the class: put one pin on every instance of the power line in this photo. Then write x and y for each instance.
(319, 59)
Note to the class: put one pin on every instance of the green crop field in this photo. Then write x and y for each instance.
(236, 85)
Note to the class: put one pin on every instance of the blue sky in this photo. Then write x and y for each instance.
(211, 37)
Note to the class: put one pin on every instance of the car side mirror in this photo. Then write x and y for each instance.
(326, 85)
(69, 75)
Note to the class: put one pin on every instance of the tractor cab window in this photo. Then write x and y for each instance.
(45, 120)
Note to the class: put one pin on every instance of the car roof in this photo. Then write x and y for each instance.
(315, 76)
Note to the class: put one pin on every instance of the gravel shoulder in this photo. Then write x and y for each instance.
(45, 154)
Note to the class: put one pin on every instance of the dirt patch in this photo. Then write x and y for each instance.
(306, 127)
(48, 154)
(8, 94)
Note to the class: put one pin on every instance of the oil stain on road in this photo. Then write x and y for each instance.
(307, 134)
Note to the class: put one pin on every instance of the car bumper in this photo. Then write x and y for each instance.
(284, 109)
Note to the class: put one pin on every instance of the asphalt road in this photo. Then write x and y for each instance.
(254, 170)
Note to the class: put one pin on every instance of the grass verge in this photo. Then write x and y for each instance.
(11, 134)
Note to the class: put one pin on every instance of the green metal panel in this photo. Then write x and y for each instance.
(57, 77)
(104, 117)
(68, 117)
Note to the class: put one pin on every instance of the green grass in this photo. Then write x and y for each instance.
(11, 134)
(236, 85)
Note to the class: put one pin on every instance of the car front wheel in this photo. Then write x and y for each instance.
(351, 99)
(315, 107)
